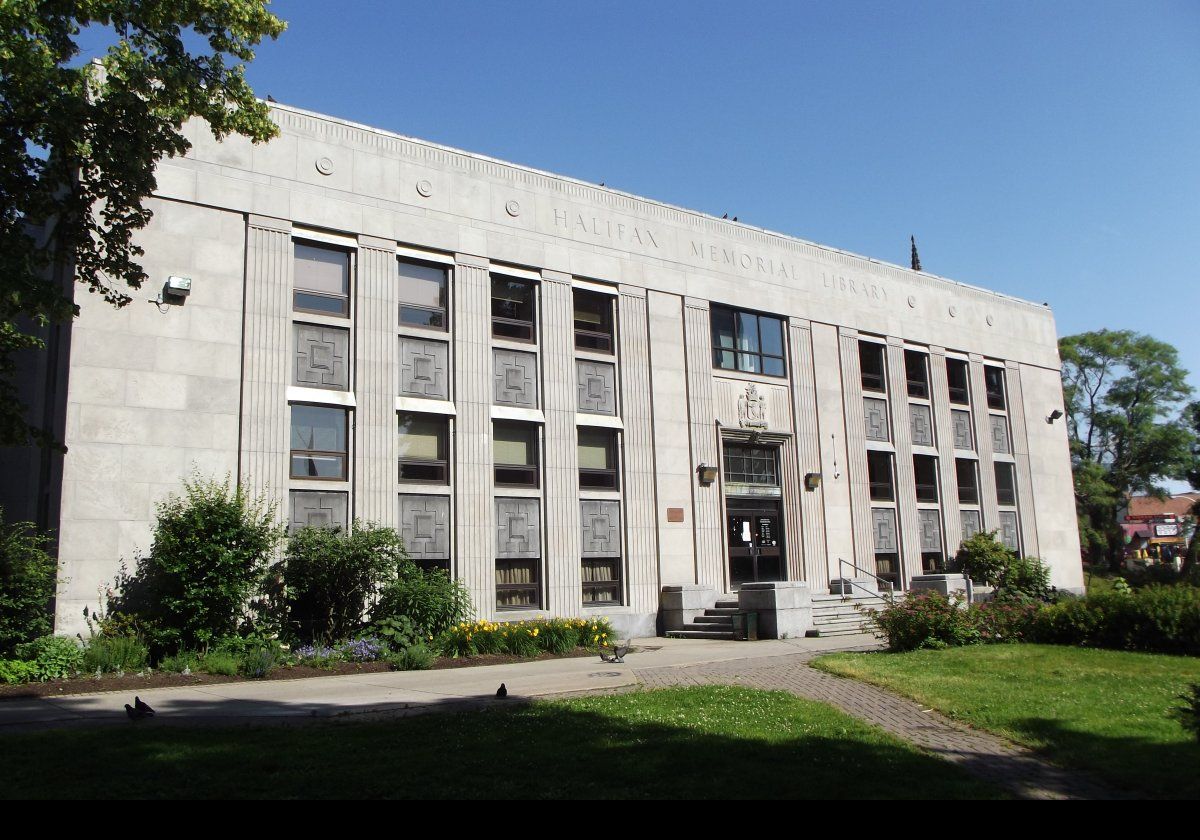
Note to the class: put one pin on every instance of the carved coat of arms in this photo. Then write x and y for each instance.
(752, 409)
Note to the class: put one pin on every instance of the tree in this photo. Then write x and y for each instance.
(79, 145)
(1123, 396)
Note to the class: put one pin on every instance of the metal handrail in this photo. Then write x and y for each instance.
(891, 590)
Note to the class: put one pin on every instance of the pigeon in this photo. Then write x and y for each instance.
(501, 692)
(619, 652)
(134, 714)
(144, 708)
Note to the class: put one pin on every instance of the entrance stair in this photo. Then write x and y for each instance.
(844, 615)
(716, 623)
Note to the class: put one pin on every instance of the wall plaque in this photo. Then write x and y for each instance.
(674, 514)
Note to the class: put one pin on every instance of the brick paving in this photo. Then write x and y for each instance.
(986, 756)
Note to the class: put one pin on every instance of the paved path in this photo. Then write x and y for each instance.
(979, 753)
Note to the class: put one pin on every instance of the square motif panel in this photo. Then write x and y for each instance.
(876, 417)
(971, 524)
(597, 388)
(424, 369)
(883, 522)
(1009, 534)
(921, 420)
(601, 528)
(961, 420)
(315, 509)
(1000, 441)
(931, 530)
(425, 526)
(518, 528)
(321, 357)
(514, 379)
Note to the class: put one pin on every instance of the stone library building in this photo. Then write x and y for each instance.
(578, 401)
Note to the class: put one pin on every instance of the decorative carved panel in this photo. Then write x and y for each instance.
(518, 528)
(425, 526)
(597, 388)
(1008, 530)
(1000, 434)
(320, 360)
(755, 406)
(424, 369)
(963, 439)
(317, 510)
(970, 523)
(931, 530)
(921, 420)
(514, 379)
(876, 412)
(601, 528)
(883, 521)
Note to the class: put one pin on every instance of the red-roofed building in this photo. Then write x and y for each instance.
(1158, 529)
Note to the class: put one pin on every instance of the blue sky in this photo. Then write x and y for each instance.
(1046, 150)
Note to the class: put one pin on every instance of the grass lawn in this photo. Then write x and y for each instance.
(710, 742)
(1104, 711)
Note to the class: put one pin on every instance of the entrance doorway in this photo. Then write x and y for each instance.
(755, 541)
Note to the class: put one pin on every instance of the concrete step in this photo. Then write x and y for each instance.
(690, 633)
(714, 620)
(721, 611)
(727, 603)
(824, 632)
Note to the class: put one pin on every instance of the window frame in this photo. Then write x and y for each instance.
(749, 454)
(534, 586)
(973, 466)
(996, 399)
(528, 328)
(401, 305)
(532, 469)
(758, 354)
(343, 455)
(344, 312)
(873, 485)
(918, 388)
(932, 466)
(878, 382)
(594, 585)
(610, 477)
(607, 318)
(1009, 469)
(443, 444)
(963, 391)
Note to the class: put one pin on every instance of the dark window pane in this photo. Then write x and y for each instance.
(771, 336)
(1006, 484)
(748, 362)
(968, 483)
(593, 321)
(722, 328)
(956, 374)
(916, 370)
(747, 328)
(773, 366)
(993, 378)
(422, 446)
(751, 465)
(318, 466)
(871, 360)
(925, 471)
(757, 340)
(517, 584)
(601, 580)
(879, 474)
(318, 428)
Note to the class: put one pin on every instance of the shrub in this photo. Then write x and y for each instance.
(209, 556)
(115, 655)
(1162, 619)
(27, 579)
(186, 661)
(397, 632)
(362, 650)
(257, 662)
(316, 656)
(1025, 578)
(331, 574)
(983, 559)
(1188, 714)
(433, 600)
(925, 620)
(412, 658)
(53, 657)
(220, 662)
(1003, 621)
(15, 671)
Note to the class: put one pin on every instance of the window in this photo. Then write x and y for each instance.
(593, 321)
(916, 371)
(968, 481)
(879, 474)
(751, 465)
(748, 342)
(601, 580)
(933, 562)
(925, 470)
(423, 292)
(515, 453)
(1006, 484)
(956, 374)
(513, 308)
(322, 280)
(422, 446)
(871, 363)
(319, 447)
(887, 566)
(517, 585)
(597, 459)
(993, 381)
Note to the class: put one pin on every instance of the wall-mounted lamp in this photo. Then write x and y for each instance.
(174, 291)
(707, 474)
(812, 481)
(1054, 415)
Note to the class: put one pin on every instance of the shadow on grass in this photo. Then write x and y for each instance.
(710, 743)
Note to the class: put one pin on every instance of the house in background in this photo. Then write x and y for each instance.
(1158, 530)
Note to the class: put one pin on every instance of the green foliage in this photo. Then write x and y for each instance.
(433, 600)
(17, 671)
(118, 654)
(1026, 578)
(210, 554)
(931, 620)
(416, 657)
(983, 558)
(184, 661)
(1161, 619)
(257, 662)
(53, 657)
(27, 580)
(330, 576)
(397, 631)
(1188, 714)
(77, 137)
(221, 663)
(1123, 395)
(525, 638)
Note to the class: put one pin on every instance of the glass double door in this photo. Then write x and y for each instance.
(755, 541)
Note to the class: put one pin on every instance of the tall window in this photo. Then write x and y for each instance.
(871, 359)
(601, 581)
(916, 371)
(515, 452)
(1006, 483)
(925, 470)
(593, 321)
(423, 448)
(993, 380)
(956, 374)
(319, 442)
(968, 481)
(751, 465)
(597, 459)
(321, 281)
(517, 583)
(879, 474)
(424, 294)
(514, 305)
(747, 341)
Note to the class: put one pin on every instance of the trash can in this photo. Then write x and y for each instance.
(745, 626)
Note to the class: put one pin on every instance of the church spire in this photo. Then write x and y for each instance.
(916, 260)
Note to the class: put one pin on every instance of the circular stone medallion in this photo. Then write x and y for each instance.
(324, 166)
(424, 188)
(512, 208)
